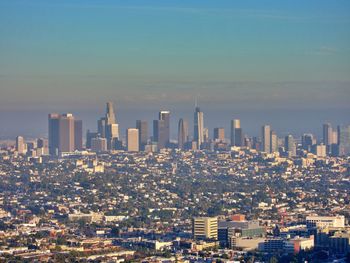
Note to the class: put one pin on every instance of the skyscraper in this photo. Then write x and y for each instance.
(99, 144)
(89, 136)
(43, 146)
(66, 133)
(236, 133)
(290, 146)
(142, 126)
(266, 138)
(63, 133)
(327, 134)
(132, 140)
(219, 134)
(182, 133)
(78, 135)
(198, 133)
(108, 127)
(165, 116)
(307, 141)
(344, 139)
(161, 129)
(274, 142)
(54, 129)
(101, 127)
(159, 133)
(20, 145)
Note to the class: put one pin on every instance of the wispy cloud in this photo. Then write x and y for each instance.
(323, 51)
(263, 14)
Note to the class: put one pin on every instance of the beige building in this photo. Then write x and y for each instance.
(325, 221)
(205, 228)
(132, 140)
(20, 145)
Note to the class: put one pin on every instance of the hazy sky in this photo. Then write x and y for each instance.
(236, 56)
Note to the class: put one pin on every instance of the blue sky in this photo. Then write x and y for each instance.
(233, 55)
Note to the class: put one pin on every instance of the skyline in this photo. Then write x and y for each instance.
(91, 122)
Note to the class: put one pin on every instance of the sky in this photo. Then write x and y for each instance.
(286, 63)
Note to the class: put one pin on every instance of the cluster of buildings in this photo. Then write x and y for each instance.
(65, 135)
(152, 199)
(145, 202)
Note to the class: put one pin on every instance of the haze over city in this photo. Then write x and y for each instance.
(285, 63)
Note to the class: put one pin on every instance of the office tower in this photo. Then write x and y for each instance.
(101, 127)
(66, 133)
(62, 133)
(205, 135)
(205, 228)
(236, 133)
(198, 133)
(335, 137)
(219, 134)
(159, 133)
(78, 135)
(20, 145)
(132, 140)
(43, 145)
(142, 126)
(344, 139)
(182, 133)
(165, 116)
(266, 138)
(307, 141)
(108, 127)
(274, 142)
(89, 136)
(99, 144)
(110, 116)
(54, 128)
(327, 134)
(321, 150)
(290, 146)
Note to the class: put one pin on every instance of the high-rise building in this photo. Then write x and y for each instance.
(99, 144)
(307, 141)
(20, 145)
(108, 127)
(89, 136)
(66, 133)
(161, 129)
(165, 116)
(327, 134)
(290, 146)
(132, 140)
(63, 133)
(101, 127)
(78, 135)
(205, 228)
(236, 133)
(274, 142)
(266, 138)
(198, 132)
(182, 133)
(321, 150)
(43, 146)
(54, 129)
(159, 133)
(142, 126)
(344, 139)
(219, 134)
